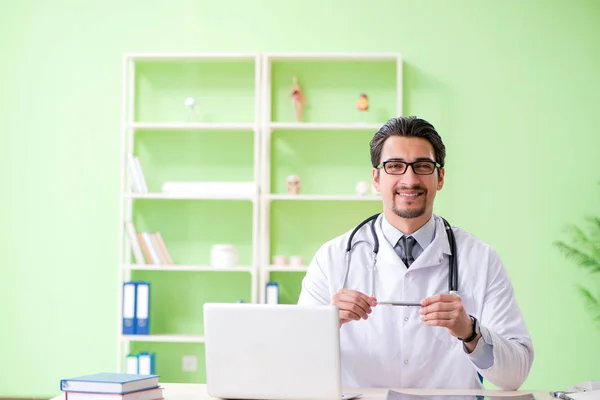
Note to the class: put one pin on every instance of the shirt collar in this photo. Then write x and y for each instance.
(424, 235)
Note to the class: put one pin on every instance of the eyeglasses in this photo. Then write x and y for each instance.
(422, 167)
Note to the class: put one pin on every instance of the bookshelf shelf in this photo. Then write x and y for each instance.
(164, 338)
(188, 268)
(187, 196)
(170, 57)
(318, 197)
(181, 126)
(286, 268)
(322, 126)
(332, 56)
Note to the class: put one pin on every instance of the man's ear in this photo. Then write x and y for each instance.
(375, 174)
(441, 173)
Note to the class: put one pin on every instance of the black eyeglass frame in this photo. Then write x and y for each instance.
(409, 164)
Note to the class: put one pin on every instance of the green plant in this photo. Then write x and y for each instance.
(584, 249)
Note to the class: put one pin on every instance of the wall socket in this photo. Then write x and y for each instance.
(189, 363)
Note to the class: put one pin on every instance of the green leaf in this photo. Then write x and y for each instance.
(594, 223)
(582, 259)
(585, 242)
(592, 303)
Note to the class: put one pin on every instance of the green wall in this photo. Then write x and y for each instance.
(512, 86)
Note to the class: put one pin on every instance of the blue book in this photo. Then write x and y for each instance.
(109, 383)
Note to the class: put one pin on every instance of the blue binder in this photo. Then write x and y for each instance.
(142, 308)
(129, 308)
(146, 364)
(272, 293)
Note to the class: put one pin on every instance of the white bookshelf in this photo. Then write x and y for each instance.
(262, 127)
(129, 130)
(268, 126)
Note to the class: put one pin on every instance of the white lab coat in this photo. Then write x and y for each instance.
(394, 348)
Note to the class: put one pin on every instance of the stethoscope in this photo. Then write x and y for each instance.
(453, 265)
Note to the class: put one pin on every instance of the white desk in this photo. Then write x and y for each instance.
(190, 391)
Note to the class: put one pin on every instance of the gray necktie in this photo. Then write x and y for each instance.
(406, 245)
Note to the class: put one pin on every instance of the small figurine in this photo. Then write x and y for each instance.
(297, 97)
(363, 103)
(293, 184)
(190, 103)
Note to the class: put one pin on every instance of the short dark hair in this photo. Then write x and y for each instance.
(407, 127)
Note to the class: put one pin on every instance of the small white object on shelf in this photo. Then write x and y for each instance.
(296, 261)
(223, 256)
(190, 102)
(280, 260)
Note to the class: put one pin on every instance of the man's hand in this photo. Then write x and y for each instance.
(353, 305)
(447, 310)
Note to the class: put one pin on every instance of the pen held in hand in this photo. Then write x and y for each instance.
(399, 303)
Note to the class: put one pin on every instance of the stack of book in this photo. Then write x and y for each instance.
(112, 386)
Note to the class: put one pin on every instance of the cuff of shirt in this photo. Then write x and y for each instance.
(483, 355)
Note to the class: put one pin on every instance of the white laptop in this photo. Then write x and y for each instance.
(283, 351)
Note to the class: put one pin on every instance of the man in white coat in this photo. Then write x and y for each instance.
(452, 340)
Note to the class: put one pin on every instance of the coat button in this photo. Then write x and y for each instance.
(405, 361)
(406, 318)
(407, 274)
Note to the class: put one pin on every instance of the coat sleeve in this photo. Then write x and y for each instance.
(315, 284)
(503, 326)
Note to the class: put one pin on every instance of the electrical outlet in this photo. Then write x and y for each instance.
(189, 363)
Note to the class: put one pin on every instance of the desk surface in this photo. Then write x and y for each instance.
(188, 391)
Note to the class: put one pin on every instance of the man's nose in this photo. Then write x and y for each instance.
(409, 177)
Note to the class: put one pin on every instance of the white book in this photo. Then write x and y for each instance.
(135, 244)
(151, 248)
(140, 174)
(133, 175)
(165, 251)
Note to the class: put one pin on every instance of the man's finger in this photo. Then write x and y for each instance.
(439, 298)
(359, 301)
(349, 314)
(439, 322)
(435, 307)
(367, 299)
(446, 316)
(354, 308)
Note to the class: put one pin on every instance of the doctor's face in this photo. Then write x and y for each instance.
(409, 195)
